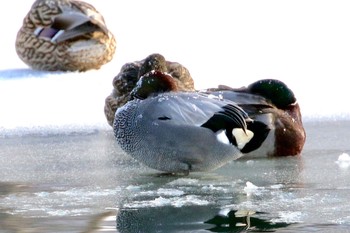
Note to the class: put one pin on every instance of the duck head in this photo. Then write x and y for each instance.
(130, 74)
(274, 90)
(290, 134)
(153, 83)
(272, 102)
(154, 62)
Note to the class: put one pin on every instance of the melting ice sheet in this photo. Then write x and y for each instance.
(73, 179)
(60, 167)
(63, 170)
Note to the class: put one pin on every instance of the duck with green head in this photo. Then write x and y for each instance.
(270, 101)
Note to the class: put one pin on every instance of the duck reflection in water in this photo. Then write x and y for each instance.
(243, 220)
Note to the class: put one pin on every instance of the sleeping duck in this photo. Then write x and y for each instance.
(64, 35)
(181, 132)
(268, 101)
(131, 72)
(272, 102)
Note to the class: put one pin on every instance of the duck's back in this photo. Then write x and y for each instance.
(165, 132)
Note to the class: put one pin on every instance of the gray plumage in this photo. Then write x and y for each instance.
(166, 131)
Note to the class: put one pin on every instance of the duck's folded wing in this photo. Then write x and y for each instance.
(70, 25)
(252, 104)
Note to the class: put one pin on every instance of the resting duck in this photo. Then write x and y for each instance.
(272, 102)
(181, 132)
(64, 35)
(131, 72)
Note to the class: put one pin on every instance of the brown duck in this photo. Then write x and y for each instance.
(64, 35)
(131, 72)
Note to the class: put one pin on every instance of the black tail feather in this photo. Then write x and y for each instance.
(231, 117)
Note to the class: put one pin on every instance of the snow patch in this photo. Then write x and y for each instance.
(172, 201)
(343, 160)
(250, 189)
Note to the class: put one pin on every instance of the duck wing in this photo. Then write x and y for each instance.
(71, 24)
(257, 107)
(196, 109)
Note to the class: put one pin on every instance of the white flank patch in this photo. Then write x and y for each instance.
(221, 136)
(242, 138)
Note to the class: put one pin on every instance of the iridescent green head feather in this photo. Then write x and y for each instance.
(274, 90)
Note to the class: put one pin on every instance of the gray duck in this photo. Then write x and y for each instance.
(181, 132)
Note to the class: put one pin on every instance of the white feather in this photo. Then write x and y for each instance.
(242, 138)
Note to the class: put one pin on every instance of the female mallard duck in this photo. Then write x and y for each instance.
(64, 35)
(182, 132)
(131, 72)
(272, 102)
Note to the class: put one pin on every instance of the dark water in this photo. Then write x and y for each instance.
(82, 182)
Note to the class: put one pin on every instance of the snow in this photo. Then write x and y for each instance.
(301, 43)
(251, 188)
(343, 160)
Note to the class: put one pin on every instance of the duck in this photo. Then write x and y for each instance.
(272, 102)
(181, 132)
(125, 81)
(64, 35)
(269, 101)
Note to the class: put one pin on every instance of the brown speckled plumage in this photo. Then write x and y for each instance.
(131, 72)
(64, 35)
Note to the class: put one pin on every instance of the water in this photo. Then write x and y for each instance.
(82, 182)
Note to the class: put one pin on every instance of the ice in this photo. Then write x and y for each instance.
(170, 192)
(133, 188)
(289, 217)
(169, 201)
(224, 212)
(343, 160)
(190, 200)
(184, 181)
(250, 189)
(162, 192)
(214, 188)
(51, 122)
(277, 186)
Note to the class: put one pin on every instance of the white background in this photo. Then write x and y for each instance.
(306, 44)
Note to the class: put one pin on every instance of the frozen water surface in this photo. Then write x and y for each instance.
(60, 167)
(74, 181)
